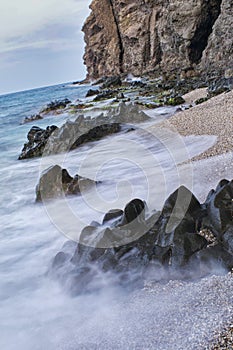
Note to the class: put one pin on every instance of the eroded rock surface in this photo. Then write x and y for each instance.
(131, 242)
(152, 36)
(69, 136)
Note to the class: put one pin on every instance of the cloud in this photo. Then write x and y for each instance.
(33, 22)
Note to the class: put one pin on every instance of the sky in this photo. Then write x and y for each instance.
(41, 42)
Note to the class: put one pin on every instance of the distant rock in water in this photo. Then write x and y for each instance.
(55, 106)
(132, 242)
(32, 118)
(56, 182)
(71, 135)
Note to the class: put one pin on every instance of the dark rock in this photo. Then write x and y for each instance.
(133, 210)
(174, 101)
(97, 133)
(214, 259)
(56, 182)
(219, 86)
(92, 92)
(37, 140)
(220, 208)
(55, 105)
(105, 95)
(112, 214)
(32, 118)
(112, 82)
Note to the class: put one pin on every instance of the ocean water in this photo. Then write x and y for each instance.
(36, 312)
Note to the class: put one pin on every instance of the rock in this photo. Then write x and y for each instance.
(133, 210)
(220, 208)
(140, 37)
(84, 129)
(218, 86)
(131, 243)
(92, 92)
(112, 82)
(97, 133)
(37, 140)
(112, 214)
(105, 95)
(55, 106)
(174, 101)
(56, 182)
(32, 118)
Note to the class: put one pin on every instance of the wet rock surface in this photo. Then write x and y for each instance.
(56, 182)
(132, 243)
(69, 136)
(56, 105)
(37, 139)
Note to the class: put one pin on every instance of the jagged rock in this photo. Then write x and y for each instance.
(112, 81)
(219, 86)
(112, 214)
(219, 208)
(32, 118)
(37, 140)
(105, 95)
(158, 36)
(84, 129)
(55, 106)
(56, 182)
(92, 92)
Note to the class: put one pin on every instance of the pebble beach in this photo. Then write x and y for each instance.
(213, 117)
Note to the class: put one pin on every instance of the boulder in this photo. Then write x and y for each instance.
(56, 182)
(37, 140)
(112, 82)
(92, 92)
(55, 106)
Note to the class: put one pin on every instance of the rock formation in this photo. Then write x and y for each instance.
(71, 135)
(158, 36)
(186, 239)
(56, 182)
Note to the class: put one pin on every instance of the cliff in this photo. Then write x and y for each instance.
(154, 36)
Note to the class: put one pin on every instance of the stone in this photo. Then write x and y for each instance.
(56, 182)
(157, 37)
(92, 92)
(55, 106)
(220, 208)
(112, 82)
(32, 118)
(37, 140)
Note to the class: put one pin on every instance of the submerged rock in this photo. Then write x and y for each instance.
(56, 182)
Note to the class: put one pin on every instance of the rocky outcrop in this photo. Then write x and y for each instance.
(147, 36)
(71, 135)
(56, 182)
(186, 240)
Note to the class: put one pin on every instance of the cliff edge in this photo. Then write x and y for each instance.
(159, 36)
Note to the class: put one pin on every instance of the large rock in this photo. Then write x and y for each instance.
(56, 182)
(158, 36)
(84, 129)
(37, 140)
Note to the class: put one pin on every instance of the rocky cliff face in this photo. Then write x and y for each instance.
(154, 36)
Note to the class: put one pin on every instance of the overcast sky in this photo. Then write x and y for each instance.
(41, 42)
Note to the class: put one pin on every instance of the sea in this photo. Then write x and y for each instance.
(36, 311)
